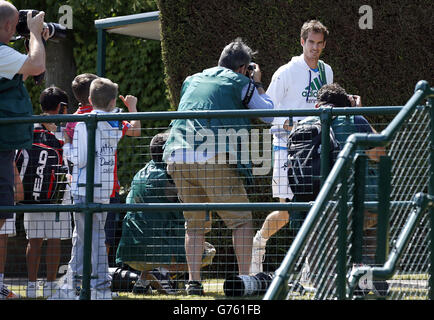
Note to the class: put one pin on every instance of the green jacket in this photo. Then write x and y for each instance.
(15, 102)
(216, 88)
(149, 236)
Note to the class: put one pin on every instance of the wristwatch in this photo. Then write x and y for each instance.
(258, 85)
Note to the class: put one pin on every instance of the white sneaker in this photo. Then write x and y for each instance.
(6, 293)
(64, 293)
(31, 290)
(258, 254)
(100, 294)
(50, 288)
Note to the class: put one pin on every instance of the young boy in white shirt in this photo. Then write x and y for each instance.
(103, 94)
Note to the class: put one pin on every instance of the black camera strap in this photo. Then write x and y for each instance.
(249, 93)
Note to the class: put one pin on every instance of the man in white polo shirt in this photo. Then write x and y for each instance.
(14, 98)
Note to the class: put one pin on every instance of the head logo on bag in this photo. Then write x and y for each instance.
(41, 168)
(304, 158)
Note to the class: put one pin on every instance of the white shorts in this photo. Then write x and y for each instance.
(280, 184)
(48, 225)
(9, 227)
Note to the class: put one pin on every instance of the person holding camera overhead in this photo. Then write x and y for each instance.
(14, 98)
(200, 176)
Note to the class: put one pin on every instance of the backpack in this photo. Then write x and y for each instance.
(42, 169)
(304, 158)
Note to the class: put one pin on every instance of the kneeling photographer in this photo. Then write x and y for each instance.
(14, 98)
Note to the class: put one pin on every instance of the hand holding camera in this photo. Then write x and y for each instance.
(355, 100)
(32, 21)
(35, 24)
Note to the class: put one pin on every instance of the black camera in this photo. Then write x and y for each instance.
(55, 30)
(250, 70)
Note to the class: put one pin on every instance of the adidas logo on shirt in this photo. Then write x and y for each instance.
(315, 85)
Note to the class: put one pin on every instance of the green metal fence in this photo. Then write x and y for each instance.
(330, 237)
(333, 240)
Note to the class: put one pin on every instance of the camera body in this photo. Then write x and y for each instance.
(250, 70)
(56, 30)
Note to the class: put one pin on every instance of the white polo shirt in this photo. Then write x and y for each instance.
(11, 62)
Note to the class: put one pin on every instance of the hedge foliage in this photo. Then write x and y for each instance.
(382, 64)
(135, 64)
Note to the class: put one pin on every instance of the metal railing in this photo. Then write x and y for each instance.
(279, 286)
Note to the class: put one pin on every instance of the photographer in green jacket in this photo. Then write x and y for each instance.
(205, 157)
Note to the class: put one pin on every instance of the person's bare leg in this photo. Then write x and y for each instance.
(3, 252)
(242, 242)
(52, 258)
(33, 255)
(194, 243)
(275, 221)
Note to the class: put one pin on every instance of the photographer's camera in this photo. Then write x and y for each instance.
(55, 30)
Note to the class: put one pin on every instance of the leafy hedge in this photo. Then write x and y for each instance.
(382, 64)
(135, 64)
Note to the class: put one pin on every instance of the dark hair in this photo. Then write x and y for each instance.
(333, 94)
(235, 55)
(81, 87)
(314, 26)
(51, 97)
(156, 146)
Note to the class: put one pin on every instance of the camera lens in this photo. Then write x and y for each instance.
(55, 30)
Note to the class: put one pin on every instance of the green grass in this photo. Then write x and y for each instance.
(214, 291)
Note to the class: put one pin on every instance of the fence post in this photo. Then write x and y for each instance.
(359, 207)
(342, 237)
(325, 142)
(91, 125)
(431, 192)
(101, 38)
(384, 188)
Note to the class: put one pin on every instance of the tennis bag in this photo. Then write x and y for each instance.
(304, 158)
(42, 169)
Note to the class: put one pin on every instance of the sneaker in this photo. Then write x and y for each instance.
(100, 294)
(49, 289)
(295, 286)
(195, 288)
(65, 292)
(31, 290)
(258, 254)
(5, 293)
(142, 287)
(160, 280)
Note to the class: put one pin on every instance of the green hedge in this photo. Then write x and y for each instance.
(382, 64)
(135, 64)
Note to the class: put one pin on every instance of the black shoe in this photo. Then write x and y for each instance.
(160, 281)
(297, 287)
(195, 288)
